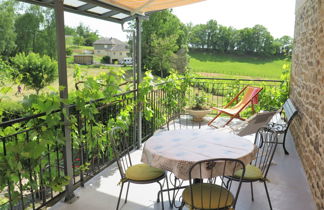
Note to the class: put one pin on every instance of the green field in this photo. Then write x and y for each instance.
(230, 66)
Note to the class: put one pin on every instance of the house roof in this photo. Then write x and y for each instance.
(109, 41)
(119, 48)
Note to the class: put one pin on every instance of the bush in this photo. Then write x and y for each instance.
(69, 51)
(11, 110)
(105, 59)
(36, 71)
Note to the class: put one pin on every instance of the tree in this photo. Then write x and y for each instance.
(70, 31)
(7, 27)
(36, 71)
(211, 32)
(27, 27)
(286, 45)
(223, 38)
(262, 40)
(254, 41)
(198, 37)
(88, 36)
(36, 31)
(245, 44)
(163, 35)
(162, 52)
(78, 40)
(46, 42)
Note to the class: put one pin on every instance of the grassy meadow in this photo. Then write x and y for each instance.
(230, 66)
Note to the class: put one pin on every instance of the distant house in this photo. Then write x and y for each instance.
(112, 47)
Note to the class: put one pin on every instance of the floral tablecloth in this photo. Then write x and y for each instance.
(176, 151)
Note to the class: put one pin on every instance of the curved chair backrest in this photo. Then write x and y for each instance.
(266, 140)
(121, 149)
(210, 173)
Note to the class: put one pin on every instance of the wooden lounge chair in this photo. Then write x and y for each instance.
(249, 97)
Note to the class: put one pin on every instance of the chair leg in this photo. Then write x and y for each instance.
(252, 191)
(127, 192)
(120, 193)
(230, 120)
(167, 182)
(284, 144)
(266, 189)
(210, 122)
(161, 188)
(182, 205)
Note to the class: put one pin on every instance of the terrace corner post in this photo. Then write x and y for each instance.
(139, 76)
(63, 82)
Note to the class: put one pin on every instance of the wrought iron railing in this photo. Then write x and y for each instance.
(91, 151)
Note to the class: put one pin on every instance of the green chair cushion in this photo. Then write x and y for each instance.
(207, 196)
(143, 172)
(251, 173)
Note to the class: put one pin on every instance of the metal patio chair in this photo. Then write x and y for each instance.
(266, 140)
(287, 113)
(137, 174)
(249, 97)
(203, 191)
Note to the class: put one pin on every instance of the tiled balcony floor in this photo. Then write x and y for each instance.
(288, 188)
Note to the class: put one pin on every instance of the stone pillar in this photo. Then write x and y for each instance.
(307, 92)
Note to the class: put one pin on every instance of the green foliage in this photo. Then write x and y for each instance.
(273, 98)
(145, 87)
(7, 28)
(105, 59)
(163, 36)
(6, 77)
(162, 53)
(252, 41)
(174, 86)
(70, 31)
(45, 134)
(69, 51)
(10, 110)
(37, 71)
(24, 155)
(78, 40)
(199, 102)
(35, 30)
(82, 35)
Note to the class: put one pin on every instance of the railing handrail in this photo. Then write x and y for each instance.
(249, 80)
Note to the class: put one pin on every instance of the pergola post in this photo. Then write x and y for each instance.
(63, 84)
(138, 54)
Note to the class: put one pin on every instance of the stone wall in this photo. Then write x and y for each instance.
(307, 92)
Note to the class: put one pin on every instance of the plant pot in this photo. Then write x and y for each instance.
(198, 115)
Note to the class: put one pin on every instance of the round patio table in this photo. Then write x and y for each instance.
(176, 151)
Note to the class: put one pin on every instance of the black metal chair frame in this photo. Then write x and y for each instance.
(264, 137)
(287, 113)
(229, 168)
(123, 159)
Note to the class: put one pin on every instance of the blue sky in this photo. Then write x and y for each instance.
(278, 16)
